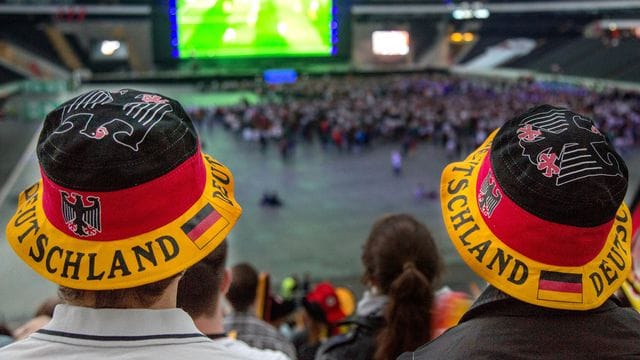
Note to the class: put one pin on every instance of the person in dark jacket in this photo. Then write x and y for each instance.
(538, 212)
(402, 265)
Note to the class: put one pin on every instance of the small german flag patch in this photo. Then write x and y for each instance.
(203, 221)
(558, 286)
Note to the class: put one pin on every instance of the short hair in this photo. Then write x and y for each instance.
(242, 292)
(199, 288)
(142, 296)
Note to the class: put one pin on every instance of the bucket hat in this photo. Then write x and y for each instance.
(537, 210)
(126, 195)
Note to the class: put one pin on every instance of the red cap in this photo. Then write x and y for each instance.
(324, 295)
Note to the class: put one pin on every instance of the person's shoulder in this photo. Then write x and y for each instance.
(28, 348)
(269, 329)
(358, 340)
(206, 350)
(240, 348)
(334, 344)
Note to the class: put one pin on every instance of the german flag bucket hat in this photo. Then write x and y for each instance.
(537, 210)
(126, 197)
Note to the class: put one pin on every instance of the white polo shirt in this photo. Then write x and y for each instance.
(118, 334)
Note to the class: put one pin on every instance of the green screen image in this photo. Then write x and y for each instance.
(253, 28)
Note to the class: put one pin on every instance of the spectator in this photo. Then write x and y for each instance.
(126, 203)
(200, 292)
(401, 264)
(243, 321)
(396, 162)
(538, 212)
(322, 311)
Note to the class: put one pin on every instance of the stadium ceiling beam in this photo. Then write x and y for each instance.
(118, 10)
(516, 7)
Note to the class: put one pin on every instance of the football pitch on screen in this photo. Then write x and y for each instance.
(254, 28)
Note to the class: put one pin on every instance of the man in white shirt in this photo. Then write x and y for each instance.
(127, 202)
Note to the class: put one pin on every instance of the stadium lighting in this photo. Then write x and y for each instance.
(464, 11)
(390, 43)
(109, 47)
(462, 14)
(481, 13)
(456, 37)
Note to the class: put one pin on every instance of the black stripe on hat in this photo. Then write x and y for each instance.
(560, 277)
(197, 219)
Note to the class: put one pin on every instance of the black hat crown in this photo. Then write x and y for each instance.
(106, 141)
(557, 165)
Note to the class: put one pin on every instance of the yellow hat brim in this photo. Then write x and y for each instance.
(123, 263)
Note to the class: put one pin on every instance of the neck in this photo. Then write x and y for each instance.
(211, 324)
(169, 298)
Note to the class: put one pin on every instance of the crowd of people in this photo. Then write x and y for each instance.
(351, 112)
(536, 210)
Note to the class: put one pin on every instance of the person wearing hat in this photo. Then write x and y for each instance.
(538, 212)
(243, 322)
(126, 203)
(200, 292)
(321, 313)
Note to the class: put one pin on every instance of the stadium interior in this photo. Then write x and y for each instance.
(219, 57)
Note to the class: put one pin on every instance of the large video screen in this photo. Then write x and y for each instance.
(252, 28)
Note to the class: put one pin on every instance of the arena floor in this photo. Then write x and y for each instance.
(330, 200)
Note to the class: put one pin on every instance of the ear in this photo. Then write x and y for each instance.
(226, 281)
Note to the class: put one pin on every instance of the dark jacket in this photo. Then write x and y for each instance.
(500, 327)
(357, 344)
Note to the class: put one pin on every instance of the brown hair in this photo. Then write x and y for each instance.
(401, 259)
(242, 292)
(142, 296)
(199, 288)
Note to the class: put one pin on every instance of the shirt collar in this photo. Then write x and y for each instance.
(120, 322)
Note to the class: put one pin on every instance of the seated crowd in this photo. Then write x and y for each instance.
(351, 112)
(536, 210)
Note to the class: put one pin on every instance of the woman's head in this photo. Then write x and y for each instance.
(396, 242)
(401, 260)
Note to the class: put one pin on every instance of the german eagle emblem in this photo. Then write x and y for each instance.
(83, 219)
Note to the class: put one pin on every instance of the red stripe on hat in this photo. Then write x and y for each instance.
(635, 219)
(560, 286)
(203, 226)
(133, 211)
(541, 240)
